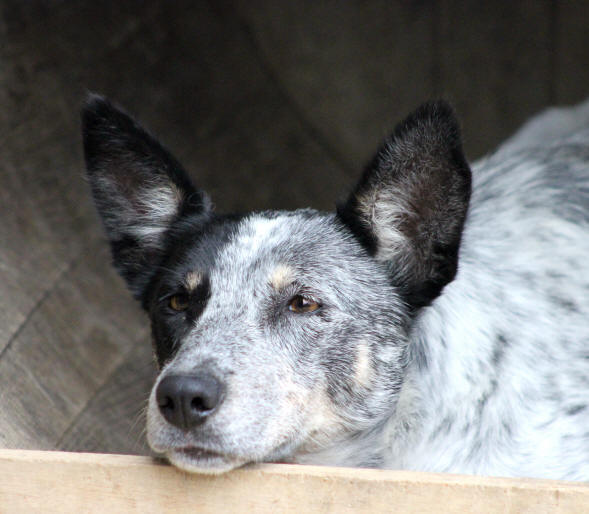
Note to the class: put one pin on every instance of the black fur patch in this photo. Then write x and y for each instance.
(575, 409)
(191, 245)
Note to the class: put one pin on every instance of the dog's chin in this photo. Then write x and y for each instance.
(197, 460)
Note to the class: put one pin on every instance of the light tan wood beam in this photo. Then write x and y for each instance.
(35, 481)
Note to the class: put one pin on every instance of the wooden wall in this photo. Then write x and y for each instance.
(269, 104)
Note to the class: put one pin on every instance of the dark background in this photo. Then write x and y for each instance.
(268, 104)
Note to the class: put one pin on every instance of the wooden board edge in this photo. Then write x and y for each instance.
(74, 482)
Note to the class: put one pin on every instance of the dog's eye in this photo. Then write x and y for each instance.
(300, 304)
(178, 302)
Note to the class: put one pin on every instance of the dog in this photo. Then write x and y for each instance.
(437, 320)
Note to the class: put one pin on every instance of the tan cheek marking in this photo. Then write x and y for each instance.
(324, 417)
(308, 410)
(322, 423)
(192, 280)
(364, 371)
(281, 277)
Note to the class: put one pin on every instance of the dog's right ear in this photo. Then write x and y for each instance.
(139, 189)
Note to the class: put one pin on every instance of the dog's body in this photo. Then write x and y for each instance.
(355, 338)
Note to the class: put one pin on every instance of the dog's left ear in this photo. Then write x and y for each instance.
(410, 204)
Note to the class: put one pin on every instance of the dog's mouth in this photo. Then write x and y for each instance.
(196, 459)
(200, 460)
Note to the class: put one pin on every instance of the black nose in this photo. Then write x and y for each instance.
(187, 400)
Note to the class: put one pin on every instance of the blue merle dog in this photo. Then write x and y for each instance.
(438, 320)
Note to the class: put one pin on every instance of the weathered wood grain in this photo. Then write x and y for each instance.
(62, 482)
(495, 65)
(113, 421)
(352, 68)
(571, 73)
(69, 347)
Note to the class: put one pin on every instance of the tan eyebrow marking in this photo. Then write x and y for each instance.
(192, 280)
(363, 372)
(281, 276)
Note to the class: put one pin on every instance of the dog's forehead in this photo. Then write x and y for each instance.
(275, 247)
(257, 235)
(280, 242)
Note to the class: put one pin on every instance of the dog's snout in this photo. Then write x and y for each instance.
(186, 401)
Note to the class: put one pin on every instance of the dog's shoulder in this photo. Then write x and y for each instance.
(505, 347)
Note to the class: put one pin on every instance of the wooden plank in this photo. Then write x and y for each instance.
(48, 482)
(68, 349)
(205, 94)
(44, 203)
(45, 209)
(264, 141)
(572, 51)
(495, 66)
(352, 68)
(114, 419)
(40, 209)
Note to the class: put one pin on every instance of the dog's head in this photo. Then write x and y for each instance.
(277, 334)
